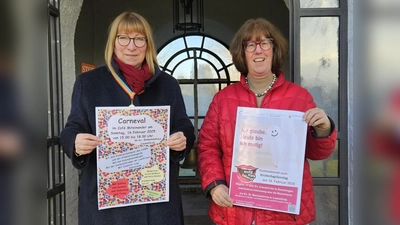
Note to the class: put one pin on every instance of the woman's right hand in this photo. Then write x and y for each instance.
(220, 195)
(85, 143)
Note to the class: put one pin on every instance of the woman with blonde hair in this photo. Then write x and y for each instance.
(131, 61)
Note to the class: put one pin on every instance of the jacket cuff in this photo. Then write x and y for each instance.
(177, 156)
(79, 162)
(333, 126)
(211, 186)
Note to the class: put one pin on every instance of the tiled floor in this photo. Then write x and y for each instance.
(195, 207)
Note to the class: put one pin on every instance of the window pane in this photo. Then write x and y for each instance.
(222, 74)
(319, 55)
(206, 93)
(234, 73)
(185, 70)
(326, 205)
(194, 41)
(174, 62)
(206, 71)
(218, 48)
(328, 167)
(319, 4)
(187, 92)
(169, 50)
(212, 59)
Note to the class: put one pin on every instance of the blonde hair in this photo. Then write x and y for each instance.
(257, 28)
(131, 22)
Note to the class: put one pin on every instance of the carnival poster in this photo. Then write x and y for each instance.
(133, 157)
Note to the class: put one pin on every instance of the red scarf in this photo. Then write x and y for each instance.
(134, 77)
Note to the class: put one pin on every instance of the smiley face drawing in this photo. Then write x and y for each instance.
(274, 131)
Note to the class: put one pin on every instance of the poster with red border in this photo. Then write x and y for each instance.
(268, 159)
(133, 157)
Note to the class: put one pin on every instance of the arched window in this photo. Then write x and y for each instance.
(203, 66)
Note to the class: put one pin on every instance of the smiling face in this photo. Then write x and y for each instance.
(273, 131)
(259, 62)
(130, 54)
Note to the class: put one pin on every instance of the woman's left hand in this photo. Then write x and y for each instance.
(318, 119)
(177, 141)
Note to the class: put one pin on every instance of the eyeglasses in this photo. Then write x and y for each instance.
(250, 46)
(125, 40)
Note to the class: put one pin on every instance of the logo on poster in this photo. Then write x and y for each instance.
(246, 173)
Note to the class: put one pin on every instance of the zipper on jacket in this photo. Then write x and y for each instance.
(295, 218)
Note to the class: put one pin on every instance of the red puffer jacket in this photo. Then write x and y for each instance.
(215, 145)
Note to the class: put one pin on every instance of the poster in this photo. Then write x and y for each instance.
(268, 159)
(133, 158)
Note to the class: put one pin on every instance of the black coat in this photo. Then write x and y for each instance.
(99, 88)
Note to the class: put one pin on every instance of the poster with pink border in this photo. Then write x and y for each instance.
(133, 157)
(268, 159)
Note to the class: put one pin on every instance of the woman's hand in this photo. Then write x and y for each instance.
(177, 141)
(220, 196)
(86, 143)
(318, 119)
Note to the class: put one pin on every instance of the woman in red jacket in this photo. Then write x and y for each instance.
(258, 51)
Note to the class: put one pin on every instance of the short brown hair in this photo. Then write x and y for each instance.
(131, 22)
(257, 28)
